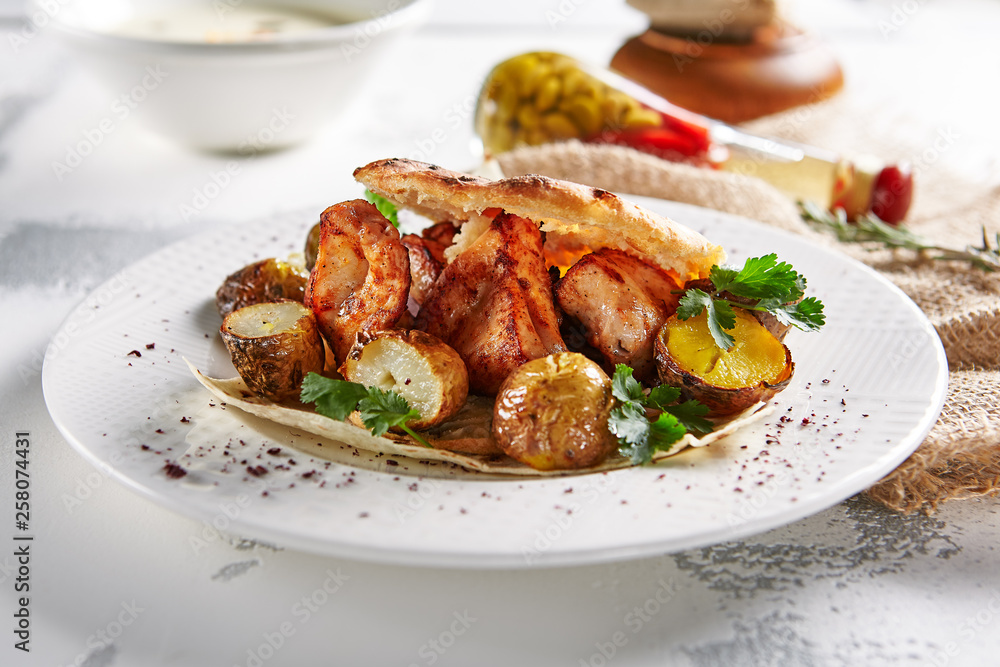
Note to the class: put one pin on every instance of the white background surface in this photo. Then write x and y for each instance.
(853, 585)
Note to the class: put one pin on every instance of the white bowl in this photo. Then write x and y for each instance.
(246, 94)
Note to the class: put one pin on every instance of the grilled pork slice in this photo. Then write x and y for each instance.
(425, 266)
(620, 302)
(442, 235)
(493, 303)
(427, 257)
(362, 275)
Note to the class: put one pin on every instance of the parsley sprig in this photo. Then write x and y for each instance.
(380, 410)
(384, 206)
(868, 228)
(769, 285)
(638, 437)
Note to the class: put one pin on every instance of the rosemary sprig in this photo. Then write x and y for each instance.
(869, 229)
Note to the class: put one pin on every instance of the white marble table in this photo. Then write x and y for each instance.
(118, 581)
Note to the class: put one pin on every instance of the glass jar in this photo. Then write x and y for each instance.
(542, 97)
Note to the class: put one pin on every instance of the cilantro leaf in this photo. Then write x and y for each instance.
(333, 398)
(720, 318)
(637, 454)
(775, 286)
(628, 421)
(384, 206)
(799, 289)
(693, 303)
(691, 415)
(720, 314)
(624, 387)
(763, 278)
(380, 410)
(806, 314)
(723, 276)
(664, 432)
(639, 438)
(662, 395)
(769, 305)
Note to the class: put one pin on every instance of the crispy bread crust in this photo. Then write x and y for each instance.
(575, 217)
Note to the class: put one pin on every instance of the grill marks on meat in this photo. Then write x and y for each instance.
(620, 302)
(427, 257)
(493, 303)
(443, 234)
(362, 275)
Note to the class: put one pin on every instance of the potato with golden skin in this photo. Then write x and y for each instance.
(274, 346)
(416, 365)
(552, 413)
(261, 282)
(754, 369)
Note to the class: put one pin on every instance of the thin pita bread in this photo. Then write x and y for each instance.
(575, 218)
(235, 394)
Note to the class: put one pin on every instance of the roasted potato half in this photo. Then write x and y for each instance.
(755, 368)
(261, 282)
(418, 366)
(274, 346)
(552, 413)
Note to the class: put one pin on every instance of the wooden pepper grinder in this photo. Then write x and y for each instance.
(733, 60)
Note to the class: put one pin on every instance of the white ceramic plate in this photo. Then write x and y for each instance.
(866, 391)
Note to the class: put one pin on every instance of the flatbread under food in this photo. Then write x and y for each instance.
(468, 432)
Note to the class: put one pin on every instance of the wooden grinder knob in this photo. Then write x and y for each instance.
(731, 68)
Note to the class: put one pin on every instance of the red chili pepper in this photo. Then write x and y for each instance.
(659, 141)
(676, 140)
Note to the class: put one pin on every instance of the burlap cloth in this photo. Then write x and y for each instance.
(961, 456)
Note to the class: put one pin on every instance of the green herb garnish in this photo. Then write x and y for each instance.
(380, 410)
(384, 206)
(691, 414)
(869, 228)
(775, 287)
(638, 437)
